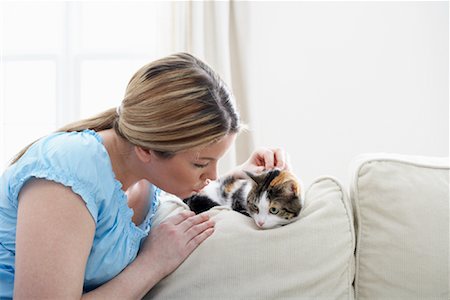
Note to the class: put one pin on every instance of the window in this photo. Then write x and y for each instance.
(62, 61)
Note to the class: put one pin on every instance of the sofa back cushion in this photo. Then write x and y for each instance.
(401, 208)
(310, 258)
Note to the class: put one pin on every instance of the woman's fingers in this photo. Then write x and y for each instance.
(195, 230)
(276, 158)
(268, 159)
(279, 158)
(198, 239)
(199, 228)
(180, 217)
(188, 223)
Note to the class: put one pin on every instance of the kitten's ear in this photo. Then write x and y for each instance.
(255, 178)
(294, 187)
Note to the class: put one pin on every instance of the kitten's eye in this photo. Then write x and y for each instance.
(254, 207)
(273, 210)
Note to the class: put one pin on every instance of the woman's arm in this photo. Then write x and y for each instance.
(54, 239)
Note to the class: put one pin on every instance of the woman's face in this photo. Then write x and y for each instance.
(187, 172)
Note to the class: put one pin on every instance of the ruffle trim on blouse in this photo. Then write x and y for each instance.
(137, 233)
(37, 169)
(83, 189)
(147, 224)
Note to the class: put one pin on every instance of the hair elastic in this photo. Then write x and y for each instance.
(119, 110)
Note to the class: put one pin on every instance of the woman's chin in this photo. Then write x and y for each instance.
(185, 195)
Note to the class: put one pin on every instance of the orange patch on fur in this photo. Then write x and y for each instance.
(286, 176)
(229, 187)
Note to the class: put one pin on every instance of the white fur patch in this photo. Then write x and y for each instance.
(264, 219)
(212, 191)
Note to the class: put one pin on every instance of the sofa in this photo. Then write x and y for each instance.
(385, 236)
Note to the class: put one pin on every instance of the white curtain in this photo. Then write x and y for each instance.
(208, 30)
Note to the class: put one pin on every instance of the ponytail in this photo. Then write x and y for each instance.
(170, 105)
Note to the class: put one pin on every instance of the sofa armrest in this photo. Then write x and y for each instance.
(401, 206)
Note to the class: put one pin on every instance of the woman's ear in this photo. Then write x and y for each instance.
(143, 154)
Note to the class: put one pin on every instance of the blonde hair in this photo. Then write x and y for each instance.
(170, 105)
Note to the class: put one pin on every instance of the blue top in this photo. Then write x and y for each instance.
(80, 161)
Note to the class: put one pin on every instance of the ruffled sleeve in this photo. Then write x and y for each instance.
(76, 160)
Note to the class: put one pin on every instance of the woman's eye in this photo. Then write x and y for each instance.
(200, 166)
(273, 210)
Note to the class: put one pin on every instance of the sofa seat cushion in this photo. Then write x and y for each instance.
(310, 258)
(402, 219)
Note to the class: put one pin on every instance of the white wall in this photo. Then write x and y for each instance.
(69, 65)
(325, 80)
(330, 80)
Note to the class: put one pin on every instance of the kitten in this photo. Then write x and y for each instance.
(272, 199)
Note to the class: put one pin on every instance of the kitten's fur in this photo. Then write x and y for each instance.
(272, 199)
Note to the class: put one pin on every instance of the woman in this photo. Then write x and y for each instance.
(76, 206)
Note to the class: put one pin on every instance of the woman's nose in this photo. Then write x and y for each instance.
(212, 173)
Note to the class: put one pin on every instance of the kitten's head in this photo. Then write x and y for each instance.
(275, 198)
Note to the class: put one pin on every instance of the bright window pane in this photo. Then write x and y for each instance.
(32, 27)
(139, 27)
(29, 105)
(103, 83)
(30, 92)
(72, 58)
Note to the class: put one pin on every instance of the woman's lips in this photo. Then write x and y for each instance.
(199, 190)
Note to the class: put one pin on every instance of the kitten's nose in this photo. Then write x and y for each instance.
(260, 223)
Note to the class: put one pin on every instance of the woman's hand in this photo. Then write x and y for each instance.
(263, 159)
(167, 246)
(171, 242)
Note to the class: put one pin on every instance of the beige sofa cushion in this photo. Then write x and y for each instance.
(311, 258)
(402, 219)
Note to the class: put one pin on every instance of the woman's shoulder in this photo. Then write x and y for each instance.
(77, 154)
(75, 159)
(73, 147)
(80, 154)
(80, 143)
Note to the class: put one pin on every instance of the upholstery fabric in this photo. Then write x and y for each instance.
(401, 208)
(310, 258)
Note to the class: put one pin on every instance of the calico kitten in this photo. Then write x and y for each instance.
(272, 199)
